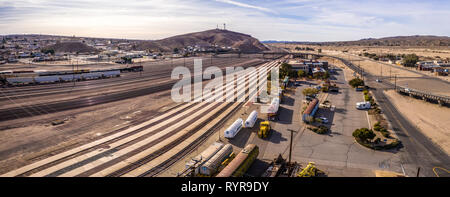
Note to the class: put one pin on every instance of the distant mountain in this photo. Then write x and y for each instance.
(416, 40)
(71, 47)
(423, 41)
(280, 41)
(240, 41)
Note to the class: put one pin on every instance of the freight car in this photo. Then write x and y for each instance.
(39, 77)
(210, 167)
(273, 109)
(234, 129)
(199, 160)
(132, 69)
(251, 120)
(240, 164)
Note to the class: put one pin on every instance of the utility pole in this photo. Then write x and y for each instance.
(395, 83)
(418, 171)
(381, 72)
(290, 151)
(390, 73)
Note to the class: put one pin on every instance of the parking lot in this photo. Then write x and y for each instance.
(338, 148)
(336, 152)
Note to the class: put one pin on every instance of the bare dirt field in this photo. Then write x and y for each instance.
(431, 52)
(430, 118)
(23, 141)
(408, 78)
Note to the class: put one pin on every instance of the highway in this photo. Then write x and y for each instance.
(420, 151)
(147, 148)
(155, 85)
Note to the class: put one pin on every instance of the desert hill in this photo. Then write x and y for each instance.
(239, 41)
(71, 47)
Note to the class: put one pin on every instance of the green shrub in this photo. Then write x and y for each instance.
(364, 134)
(385, 134)
(322, 129)
(393, 144)
(356, 82)
(378, 140)
(319, 130)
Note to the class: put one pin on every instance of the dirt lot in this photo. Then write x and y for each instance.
(442, 52)
(408, 78)
(430, 118)
(23, 141)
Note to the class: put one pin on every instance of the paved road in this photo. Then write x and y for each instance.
(419, 151)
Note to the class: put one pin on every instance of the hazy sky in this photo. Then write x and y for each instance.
(300, 20)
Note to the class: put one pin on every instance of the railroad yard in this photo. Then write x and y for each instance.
(129, 126)
(108, 141)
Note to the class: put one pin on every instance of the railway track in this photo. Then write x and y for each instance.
(52, 107)
(38, 90)
(70, 163)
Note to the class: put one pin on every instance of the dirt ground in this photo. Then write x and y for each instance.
(408, 78)
(22, 141)
(442, 52)
(430, 118)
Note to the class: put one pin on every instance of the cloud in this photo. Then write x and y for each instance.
(303, 20)
(244, 5)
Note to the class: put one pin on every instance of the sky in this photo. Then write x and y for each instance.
(287, 20)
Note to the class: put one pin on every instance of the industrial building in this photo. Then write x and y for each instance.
(309, 66)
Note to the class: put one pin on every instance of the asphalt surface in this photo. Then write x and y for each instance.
(420, 152)
(52, 107)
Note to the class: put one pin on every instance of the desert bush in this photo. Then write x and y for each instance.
(364, 134)
(356, 82)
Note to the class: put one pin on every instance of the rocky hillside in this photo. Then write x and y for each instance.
(71, 47)
(238, 41)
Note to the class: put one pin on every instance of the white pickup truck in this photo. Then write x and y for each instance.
(363, 105)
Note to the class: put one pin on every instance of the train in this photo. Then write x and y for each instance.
(234, 129)
(63, 76)
(241, 163)
(13, 78)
